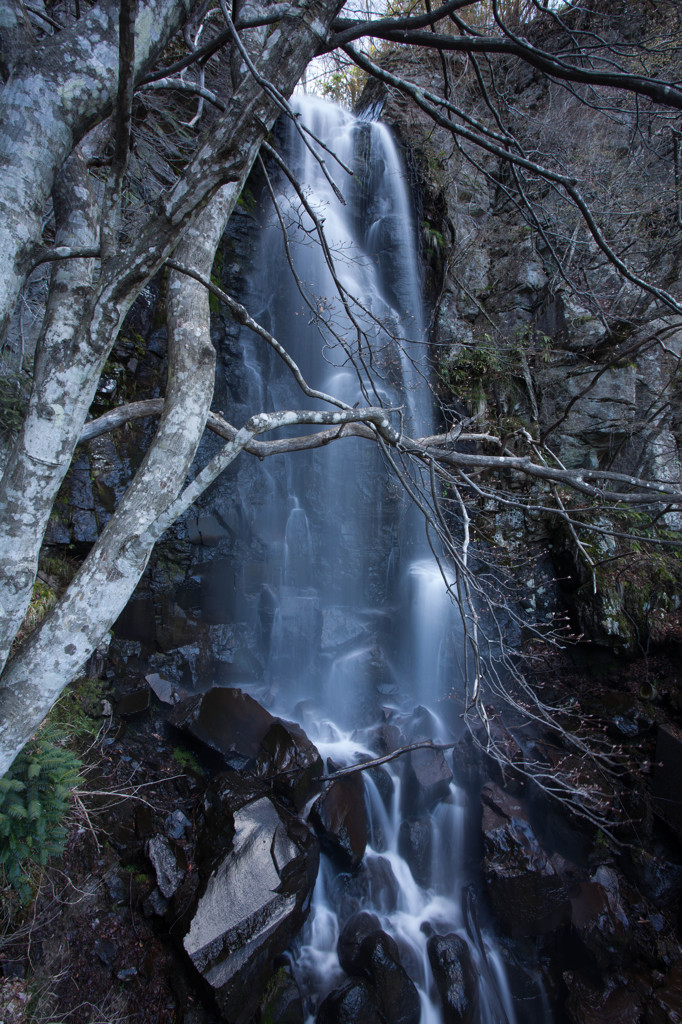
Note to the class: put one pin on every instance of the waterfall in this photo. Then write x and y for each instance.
(349, 611)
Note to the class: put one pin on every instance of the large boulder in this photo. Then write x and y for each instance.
(666, 1003)
(245, 735)
(527, 893)
(426, 780)
(598, 920)
(353, 934)
(415, 845)
(351, 1003)
(455, 978)
(397, 997)
(253, 906)
(340, 820)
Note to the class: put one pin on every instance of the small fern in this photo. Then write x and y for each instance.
(34, 799)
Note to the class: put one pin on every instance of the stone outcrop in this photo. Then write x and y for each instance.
(528, 895)
(253, 905)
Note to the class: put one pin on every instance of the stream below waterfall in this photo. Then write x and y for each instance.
(349, 614)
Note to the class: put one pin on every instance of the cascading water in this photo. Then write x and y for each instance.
(352, 622)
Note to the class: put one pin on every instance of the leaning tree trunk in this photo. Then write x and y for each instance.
(54, 654)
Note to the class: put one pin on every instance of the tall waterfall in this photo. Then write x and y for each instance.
(351, 620)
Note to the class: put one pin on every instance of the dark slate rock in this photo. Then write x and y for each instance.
(254, 904)
(397, 996)
(415, 845)
(134, 703)
(599, 922)
(666, 1005)
(373, 881)
(351, 1003)
(426, 780)
(587, 1004)
(340, 820)
(169, 874)
(246, 735)
(353, 934)
(289, 759)
(454, 976)
(282, 1003)
(176, 824)
(526, 892)
(667, 797)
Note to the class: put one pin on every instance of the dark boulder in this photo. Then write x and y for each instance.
(350, 1003)
(426, 780)
(527, 894)
(235, 726)
(397, 997)
(340, 820)
(353, 934)
(598, 920)
(415, 845)
(665, 1006)
(253, 905)
(373, 882)
(454, 976)
(282, 1002)
(667, 798)
(612, 1004)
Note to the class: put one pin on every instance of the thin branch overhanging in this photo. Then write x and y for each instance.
(591, 482)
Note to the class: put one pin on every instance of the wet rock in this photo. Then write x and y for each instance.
(667, 798)
(599, 922)
(396, 994)
(176, 824)
(245, 734)
(658, 878)
(167, 691)
(206, 530)
(374, 882)
(455, 977)
(666, 1004)
(254, 903)
(426, 780)
(289, 758)
(386, 738)
(134, 703)
(526, 892)
(610, 1005)
(169, 874)
(351, 1003)
(353, 934)
(384, 784)
(340, 820)
(282, 1003)
(415, 845)
(155, 904)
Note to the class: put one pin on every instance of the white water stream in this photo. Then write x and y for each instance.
(359, 626)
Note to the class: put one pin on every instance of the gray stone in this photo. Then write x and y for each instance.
(169, 874)
(254, 904)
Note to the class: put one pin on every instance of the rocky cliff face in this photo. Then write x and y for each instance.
(533, 328)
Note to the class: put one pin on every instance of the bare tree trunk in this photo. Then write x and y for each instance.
(65, 379)
(45, 109)
(57, 650)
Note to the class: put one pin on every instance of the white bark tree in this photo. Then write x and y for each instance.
(62, 80)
